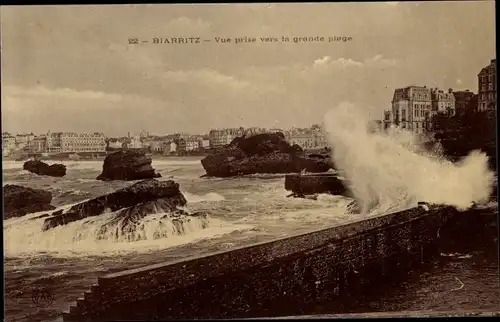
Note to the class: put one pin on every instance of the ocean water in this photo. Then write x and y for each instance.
(240, 211)
(388, 173)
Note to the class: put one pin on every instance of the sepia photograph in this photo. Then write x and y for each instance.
(249, 161)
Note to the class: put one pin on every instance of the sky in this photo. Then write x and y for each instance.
(71, 68)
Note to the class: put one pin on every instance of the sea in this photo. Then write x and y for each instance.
(240, 211)
(387, 172)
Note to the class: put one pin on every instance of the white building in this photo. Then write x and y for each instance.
(23, 140)
(204, 143)
(308, 138)
(135, 143)
(115, 144)
(192, 144)
(39, 144)
(8, 143)
(169, 147)
(83, 142)
(223, 137)
(156, 146)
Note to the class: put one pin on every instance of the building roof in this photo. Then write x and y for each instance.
(491, 67)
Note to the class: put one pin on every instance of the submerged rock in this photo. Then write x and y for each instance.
(136, 201)
(263, 153)
(42, 168)
(19, 201)
(127, 165)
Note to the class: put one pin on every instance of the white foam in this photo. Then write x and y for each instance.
(209, 197)
(389, 172)
(23, 236)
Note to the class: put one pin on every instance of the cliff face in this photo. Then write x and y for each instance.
(263, 153)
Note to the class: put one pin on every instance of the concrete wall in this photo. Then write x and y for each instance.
(282, 277)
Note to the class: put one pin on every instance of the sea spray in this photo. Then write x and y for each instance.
(390, 172)
(24, 237)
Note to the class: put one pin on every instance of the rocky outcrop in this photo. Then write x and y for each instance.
(127, 165)
(20, 201)
(306, 184)
(263, 153)
(134, 202)
(42, 168)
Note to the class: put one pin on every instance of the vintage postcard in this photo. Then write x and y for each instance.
(239, 161)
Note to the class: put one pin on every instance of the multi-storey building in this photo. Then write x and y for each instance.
(462, 100)
(39, 144)
(411, 108)
(169, 147)
(83, 142)
(135, 143)
(54, 142)
(8, 143)
(75, 142)
(443, 102)
(223, 137)
(307, 138)
(115, 144)
(204, 142)
(192, 144)
(388, 118)
(487, 87)
(24, 140)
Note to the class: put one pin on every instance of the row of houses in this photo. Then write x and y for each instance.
(169, 144)
(414, 107)
(53, 142)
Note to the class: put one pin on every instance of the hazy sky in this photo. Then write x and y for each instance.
(70, 68)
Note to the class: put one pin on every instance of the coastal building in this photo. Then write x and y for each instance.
(462, 100)
(181, 145)
(8, 143)
(54, 142)
(156, 146)
(254, 131)
(443, 102)
(192, 144)
(204, 142)
(169, 147)
(487, 87)
(221, 137)
(307, 138)
(39, 144)
(24, 140)
(387, 121)
(411, 109)
(115, 144)
(135, 143)
(82, 142)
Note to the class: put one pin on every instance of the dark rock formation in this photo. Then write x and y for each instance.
(127, 165)
(306, 184)
(20, 201)
(263, 153)
(137, 201)
(42, 168)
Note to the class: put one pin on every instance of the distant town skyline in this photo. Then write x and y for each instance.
(71, 68)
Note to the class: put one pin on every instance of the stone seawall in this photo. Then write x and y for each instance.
(275, 278)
